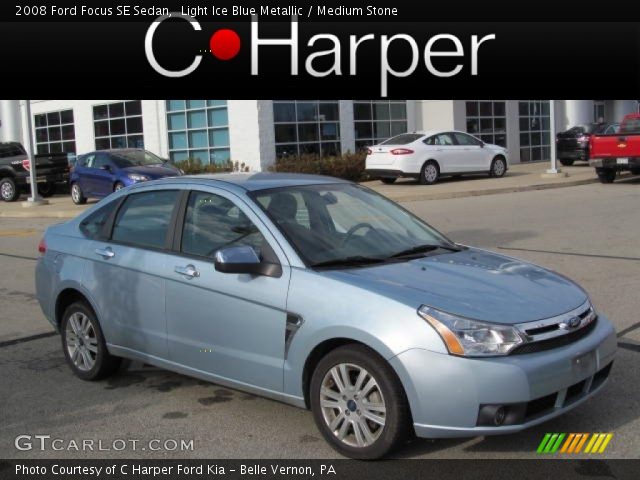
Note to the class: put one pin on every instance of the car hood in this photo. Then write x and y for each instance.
(153, 171)
(472, 283)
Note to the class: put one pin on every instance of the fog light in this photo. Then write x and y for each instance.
(499, 416)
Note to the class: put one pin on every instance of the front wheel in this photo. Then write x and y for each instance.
(358, 403)
(47, 189)
(567, 162)
(118, 186)
(606, 175)
(84, 345)
(498, 167)
(388, 180)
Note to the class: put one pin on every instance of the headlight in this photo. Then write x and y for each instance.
(471, 338)
(138, 178)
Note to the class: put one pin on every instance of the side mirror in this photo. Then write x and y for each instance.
(482, 144)
(243, 259)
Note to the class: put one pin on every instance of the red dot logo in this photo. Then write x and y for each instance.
(224, 44)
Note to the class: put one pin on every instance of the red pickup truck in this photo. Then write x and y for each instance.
(617, 152)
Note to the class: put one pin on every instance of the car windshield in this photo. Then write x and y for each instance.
(347, 224)
(135, 158)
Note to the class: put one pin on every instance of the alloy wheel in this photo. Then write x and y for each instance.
(431, 173)
(498, 168)
(75, 193)
(7, 191)
(352, 404)
(82, 341)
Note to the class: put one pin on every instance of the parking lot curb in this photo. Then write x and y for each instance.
(491, 191)
(49, 212)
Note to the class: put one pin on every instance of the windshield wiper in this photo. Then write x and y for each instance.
(349, 261)
(424, 249)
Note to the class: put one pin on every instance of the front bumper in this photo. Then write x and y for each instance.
(622, 163)
(446, 392)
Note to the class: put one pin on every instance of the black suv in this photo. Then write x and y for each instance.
(573, 144)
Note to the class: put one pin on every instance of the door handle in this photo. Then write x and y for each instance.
(188, 271)
(105, 253)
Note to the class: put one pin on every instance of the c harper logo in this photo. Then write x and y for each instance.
(225, 45)
(574, 443)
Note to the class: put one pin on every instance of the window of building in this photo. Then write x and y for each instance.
(144, 218)
(307, 127)
(598, 111)
(377, 120)
(55, 132)
(535, 130)
(198, 129)
(118, 125)
(487, 120)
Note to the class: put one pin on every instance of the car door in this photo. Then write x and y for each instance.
(99, 177)
(443, 148)
(126, 268)
(231, 326)
(473, 156)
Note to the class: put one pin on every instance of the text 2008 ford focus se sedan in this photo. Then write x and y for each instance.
(325, 295)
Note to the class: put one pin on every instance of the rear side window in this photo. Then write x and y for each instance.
(403, 139)
(464, 139)
(144, 218)
(93, 226)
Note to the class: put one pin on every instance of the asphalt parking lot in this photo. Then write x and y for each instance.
(590, 233)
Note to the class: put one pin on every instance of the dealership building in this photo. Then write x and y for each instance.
(256, 132)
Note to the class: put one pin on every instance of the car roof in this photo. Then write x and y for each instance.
(259, 181)
(115, 150)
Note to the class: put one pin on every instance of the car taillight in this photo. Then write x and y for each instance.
(583, 139)
(26, 164)
(369, 151)
(42, 247)
(401, 151)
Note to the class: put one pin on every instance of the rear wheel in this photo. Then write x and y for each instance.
(430, 173)
(567, 162)
(388, 180)
(83, 344)
(358, 403)
(46, 189)
(606, 175)
(76, 194)
(9, 190)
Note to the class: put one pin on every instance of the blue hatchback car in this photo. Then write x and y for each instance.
(325, 295)
(100, 173)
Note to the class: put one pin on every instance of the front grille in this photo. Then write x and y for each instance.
(601, 376)
(574, 392)
(540, 406)
(555, 342)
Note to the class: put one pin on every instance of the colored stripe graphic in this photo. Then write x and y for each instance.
(574, 442)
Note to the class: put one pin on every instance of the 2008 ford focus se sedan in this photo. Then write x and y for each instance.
(325, 295)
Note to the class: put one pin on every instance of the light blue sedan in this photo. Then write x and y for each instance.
(325, 295)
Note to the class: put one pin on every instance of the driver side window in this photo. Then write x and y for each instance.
(212, 222)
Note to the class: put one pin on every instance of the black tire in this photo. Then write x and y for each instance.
(606, 175)
(76, 194)
(397, 421)
(105, 363)
(428, 176)
(567, 162)
(388, 180)
(9, 190)
(47, 190)
(118, 186)
(498, 167)
(635, 171)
